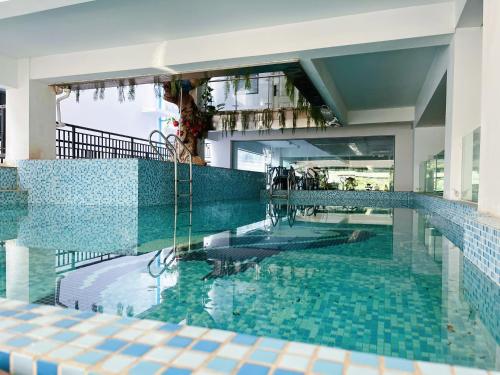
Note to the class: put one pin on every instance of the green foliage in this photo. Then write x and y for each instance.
(267, 119)
(229, 121)
(295, 116)
(248, 81)
(246, 117)
(282, 119)
(290, 89)
(131, 89)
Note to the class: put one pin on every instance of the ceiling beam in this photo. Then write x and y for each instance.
(382, 116)
(14, 8)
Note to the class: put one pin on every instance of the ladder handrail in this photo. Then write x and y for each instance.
(168, 145)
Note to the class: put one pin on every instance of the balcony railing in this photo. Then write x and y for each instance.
(2, 133)
(78, 142)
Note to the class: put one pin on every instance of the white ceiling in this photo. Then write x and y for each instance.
(381, 80)
(111, 23)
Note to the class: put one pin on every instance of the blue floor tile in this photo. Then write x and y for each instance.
(46, 368)
(399, 364)
(280, 371)
(177, 371)
(19, 342)
(90, 358)
(66, 323)
(244, 339)
(65, 336)
(5, 361)
(136, 350)
(222, 364)
(145, 368)
(112, 345)
(206, 346)
(250, 369)
(327, 367)
(169, 327)
(179, 341)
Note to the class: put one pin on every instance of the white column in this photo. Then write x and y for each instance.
(463, 102)
(489, 175)
(30, 118)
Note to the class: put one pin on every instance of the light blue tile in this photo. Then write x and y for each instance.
(19, 342)
(280, 371)
(269, 343)
(399, 364)
(90, 358)
(206, 346)
(176, 371)
(108, 330)
(66, 336)
(145, 368)
(112, 345)
(251, 369)
(327, 367)
(66, 323)
(179, 341)
(23, 328)
(169, 327)
(263, 356)
(224, 365)
(136, 350)
(244, 339)
(364, 359)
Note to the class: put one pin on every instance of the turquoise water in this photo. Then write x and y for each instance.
(379, 280)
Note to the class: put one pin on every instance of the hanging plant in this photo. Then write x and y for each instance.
(77, 94)
(290, 89)
(248, 82)
(317, 117)
(245, 120)
(227, 87)
(236, 83)
(267, 119)
(257, 119)
(175, 87)
(96, 91)
(102, 88)
(229, 121)
(131, 89)
(282, 119)
(308, 115)
(121, 91)
(295, 116)
(301, 101)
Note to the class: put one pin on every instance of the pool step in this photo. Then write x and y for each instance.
(8, 178)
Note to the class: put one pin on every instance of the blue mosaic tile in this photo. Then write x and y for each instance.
(169, 327)
(179, 341)
(364, 359)
(251, 369)
(280, 371)
(46, 368)
(66, 323)
(90, 358)
(4, 361)
(112, 345)
(19, 342)
(399, 364)
(136, 350)
(244, 339)
(145, 368)
(206, 346)
(65, 336)
(224, 365)
(327, 367)
(176, 371)
(263, 356)
(23, 328)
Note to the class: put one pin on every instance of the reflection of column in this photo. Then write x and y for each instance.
(30, 273)
(402, 236)
(3, 266)
(452, 311)
(17, 271)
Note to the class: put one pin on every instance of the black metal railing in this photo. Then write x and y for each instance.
(78, 142)
(2, 133)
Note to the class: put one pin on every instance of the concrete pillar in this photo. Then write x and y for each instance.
(30, 118)
(463, 103)
(489, 176)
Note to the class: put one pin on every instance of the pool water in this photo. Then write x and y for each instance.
(378, 280)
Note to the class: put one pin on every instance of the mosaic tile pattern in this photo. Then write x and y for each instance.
(48, 340)
(129, 182)
(338, 197)
(13, 198)
(8, 178)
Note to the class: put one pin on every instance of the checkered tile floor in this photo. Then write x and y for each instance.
(48, 340)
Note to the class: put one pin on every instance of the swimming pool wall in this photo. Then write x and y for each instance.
(129, 182)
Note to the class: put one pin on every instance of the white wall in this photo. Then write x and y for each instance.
(428, 141)
(403, 133)
(489, 179)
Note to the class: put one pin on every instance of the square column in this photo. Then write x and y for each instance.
(489, 171)
(463, 103)
(31, 118)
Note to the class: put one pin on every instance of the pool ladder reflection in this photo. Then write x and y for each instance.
(177, 152)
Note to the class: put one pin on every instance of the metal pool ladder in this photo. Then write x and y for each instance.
(172, 147)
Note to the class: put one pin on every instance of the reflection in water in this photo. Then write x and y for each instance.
(378, 280)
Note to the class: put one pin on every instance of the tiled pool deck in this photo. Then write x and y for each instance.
(46, 340)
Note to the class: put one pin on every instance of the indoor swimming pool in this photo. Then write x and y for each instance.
(370, 279)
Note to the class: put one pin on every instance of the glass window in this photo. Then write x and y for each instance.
(250, 161)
